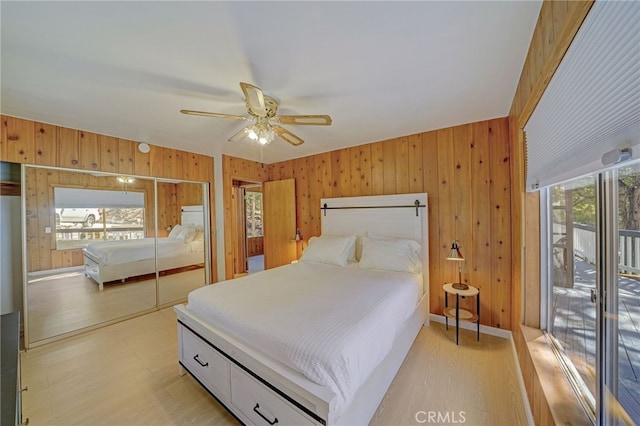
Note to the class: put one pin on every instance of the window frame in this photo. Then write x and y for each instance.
(254, 194)
(583, 394)
(599, 406)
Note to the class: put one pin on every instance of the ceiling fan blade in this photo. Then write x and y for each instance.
(213, 114)
(255, 99)
(241, 134)
(308, 120)
(287, 136)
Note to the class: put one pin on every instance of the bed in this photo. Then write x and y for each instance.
(117, 260)
(318, 341)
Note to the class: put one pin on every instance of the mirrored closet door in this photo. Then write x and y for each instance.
(182, 239)
(96, 250)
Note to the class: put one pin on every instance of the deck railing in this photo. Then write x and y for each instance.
(584, 244)
(69, 238)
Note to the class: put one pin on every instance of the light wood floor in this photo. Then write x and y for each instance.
(127, 374)
(63, 302)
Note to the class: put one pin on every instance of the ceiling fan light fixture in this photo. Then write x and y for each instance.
(261, 133)
(125, 179)
(252, 133)
(268, 135)
(266, 124)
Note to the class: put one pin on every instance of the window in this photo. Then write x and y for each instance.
(83, 216)
(253, 209)
(572, 322)
(593, 258)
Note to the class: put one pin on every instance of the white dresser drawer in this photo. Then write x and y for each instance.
(260, 405)
(91, 267)
(204, 362)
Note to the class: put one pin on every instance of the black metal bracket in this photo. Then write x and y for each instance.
(415, 205)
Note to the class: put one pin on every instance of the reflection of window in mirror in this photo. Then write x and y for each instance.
(83, 216)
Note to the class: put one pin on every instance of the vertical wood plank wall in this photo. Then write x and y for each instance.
(29, 142)
(255, 246)
(558, 22)
(234, 168)
(171, 198)
(465, 171)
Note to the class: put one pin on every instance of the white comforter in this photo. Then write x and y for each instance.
(332, 324)
(120, 251)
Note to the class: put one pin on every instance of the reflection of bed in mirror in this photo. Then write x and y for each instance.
(117, 260)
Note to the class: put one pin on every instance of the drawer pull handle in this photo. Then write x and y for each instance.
(257, 410)
(204, 364)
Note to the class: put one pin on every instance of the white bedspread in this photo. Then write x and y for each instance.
(332, 324)
(119, 251)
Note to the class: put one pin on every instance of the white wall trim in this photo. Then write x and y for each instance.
(219, 219)
(465, 325)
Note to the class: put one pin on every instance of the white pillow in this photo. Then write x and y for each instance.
(187, 234)
(352, 250)
(175, 231)
(331, 249)
(391, 254)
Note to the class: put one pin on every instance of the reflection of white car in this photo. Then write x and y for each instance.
(72, 215)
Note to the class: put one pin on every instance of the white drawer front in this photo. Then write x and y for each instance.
(91, 268)
(204, 362)
(260, 405)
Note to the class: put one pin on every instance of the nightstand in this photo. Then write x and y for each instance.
(458, 313)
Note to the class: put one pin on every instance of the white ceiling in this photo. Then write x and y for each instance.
(380, 69)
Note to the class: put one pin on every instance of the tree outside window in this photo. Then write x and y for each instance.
(253, 208)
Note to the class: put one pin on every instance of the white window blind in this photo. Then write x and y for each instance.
(97, 198)
(592, 104)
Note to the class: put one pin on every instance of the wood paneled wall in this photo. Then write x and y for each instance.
(30, 142)
(171, 198)
(255, 246)
(238, 169)
(465, 171)
(558, 22)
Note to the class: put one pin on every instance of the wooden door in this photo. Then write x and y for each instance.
(279, 222)
(238, 218)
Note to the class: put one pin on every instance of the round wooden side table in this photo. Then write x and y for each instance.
(458, 313)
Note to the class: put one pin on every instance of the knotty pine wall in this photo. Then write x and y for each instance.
(255, 246)
(558, 22)
(29, 142)
(236, 169)
(466, 172)
(171, 198)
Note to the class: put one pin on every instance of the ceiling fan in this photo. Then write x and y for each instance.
(265, 124)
